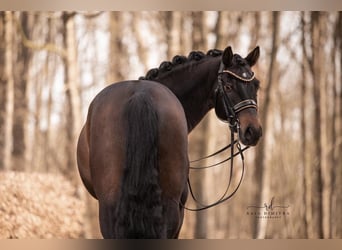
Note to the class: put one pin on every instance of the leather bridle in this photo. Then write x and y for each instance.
(231, 111)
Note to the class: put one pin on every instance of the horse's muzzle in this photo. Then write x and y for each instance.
(250, 135)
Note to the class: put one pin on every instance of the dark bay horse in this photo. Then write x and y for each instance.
(132, 152)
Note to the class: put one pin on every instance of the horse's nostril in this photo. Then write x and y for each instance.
(249, 133)
(252, 134)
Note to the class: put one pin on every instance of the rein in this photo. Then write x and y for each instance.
(224, 197)
(234, 124)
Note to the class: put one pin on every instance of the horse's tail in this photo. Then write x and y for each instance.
(139, 210)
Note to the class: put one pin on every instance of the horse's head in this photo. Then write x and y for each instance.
(236, 95)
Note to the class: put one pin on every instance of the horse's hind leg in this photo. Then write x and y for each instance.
(107, 219)
(172, 218)
(181, 211)
(174, 215)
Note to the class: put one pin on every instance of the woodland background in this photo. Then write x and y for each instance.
(53, 63)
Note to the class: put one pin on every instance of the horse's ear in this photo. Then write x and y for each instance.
(227, 56)
(253, 56)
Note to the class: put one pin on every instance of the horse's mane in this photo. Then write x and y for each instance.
(167, 66)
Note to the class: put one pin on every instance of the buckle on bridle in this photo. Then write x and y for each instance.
(233, 122)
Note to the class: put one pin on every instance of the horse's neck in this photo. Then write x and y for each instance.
(194, 87)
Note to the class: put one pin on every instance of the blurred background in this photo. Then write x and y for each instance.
(52, 64)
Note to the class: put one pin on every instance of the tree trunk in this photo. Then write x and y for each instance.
(317, 178)
(306, 196)
(199, 43)
(21, 76)
(337, 219)
(262, 171)
(50, 69)
(228, 26)
(222, 38)
(332, 153)
(142, 50)
(255, 31)
(186, 33)
(36, 147)
(72, 84)
(8, 91)
(173, 26)
(325, 120)
(117, 49)
(3, 84)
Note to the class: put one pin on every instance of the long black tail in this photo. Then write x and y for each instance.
(139, 212)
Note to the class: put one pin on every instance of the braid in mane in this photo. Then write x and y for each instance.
(214, 52)
(165, 66)
(177, 60)
(196, 55)
(152, 73)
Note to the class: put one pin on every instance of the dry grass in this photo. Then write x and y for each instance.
(36, 205)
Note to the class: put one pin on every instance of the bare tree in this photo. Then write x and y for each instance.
(9, 89)
(336, 184)
(21, 74)
(142, 50)
(306, 195)
(332, 152)
(2, 88)
(339, 180)
(317, 179)
(221, 31)
(50, 71)
(262, 172)
(255, 29)
(173, 28)
(72, 83)
(117, 49)
(228, 36)
(199, 42)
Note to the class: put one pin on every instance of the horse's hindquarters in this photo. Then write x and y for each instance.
(173, 163)
(83, 161)
(122, 122)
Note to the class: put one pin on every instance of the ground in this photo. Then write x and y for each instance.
(39, 205)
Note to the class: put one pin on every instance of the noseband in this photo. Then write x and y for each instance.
(230, 109)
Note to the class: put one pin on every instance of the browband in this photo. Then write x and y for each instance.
(239, 77)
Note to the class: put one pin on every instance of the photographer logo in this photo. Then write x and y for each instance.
(269, 210)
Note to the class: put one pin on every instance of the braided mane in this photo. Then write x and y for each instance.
(167, 66)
